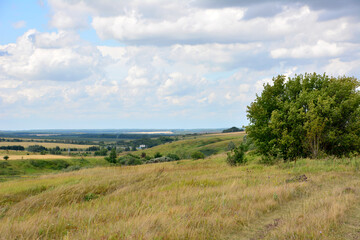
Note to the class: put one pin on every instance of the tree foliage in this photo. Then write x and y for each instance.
(112, 157)
(237, 155)
(305, 116)
(36, 148)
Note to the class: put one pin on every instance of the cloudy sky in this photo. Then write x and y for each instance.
(161, 63)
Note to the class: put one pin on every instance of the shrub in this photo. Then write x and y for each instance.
(173, 156)
(157, 155)
(197, 155)
(237, 155)
(130, 159)
(6, 157)
(52, 164)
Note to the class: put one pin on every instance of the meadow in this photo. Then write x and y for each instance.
(187, 199)
(209, 144)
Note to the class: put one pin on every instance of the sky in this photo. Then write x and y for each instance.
(161, 64)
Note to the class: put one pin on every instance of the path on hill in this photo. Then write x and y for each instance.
(269, 222)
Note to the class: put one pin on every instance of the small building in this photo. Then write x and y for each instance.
(142, 146)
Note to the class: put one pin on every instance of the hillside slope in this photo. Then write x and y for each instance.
(204, 199)
(208, 144)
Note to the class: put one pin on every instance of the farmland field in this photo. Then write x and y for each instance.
(187, 199)
(45, 144)
(32, 156)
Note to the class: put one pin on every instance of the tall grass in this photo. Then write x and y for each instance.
(204, 199)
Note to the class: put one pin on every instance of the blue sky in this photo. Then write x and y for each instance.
(160, 63)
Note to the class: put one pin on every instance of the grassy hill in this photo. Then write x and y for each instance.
(187, 199)
(204, 199)
(208, 144)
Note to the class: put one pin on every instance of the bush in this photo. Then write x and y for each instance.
(237, 155)
(51, 164)
(157, 155)
(173, 156)
(6, 157)
(197, 155)
(130, 159)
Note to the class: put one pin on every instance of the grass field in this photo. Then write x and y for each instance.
(204, 199)
(209, 144)
(45, 144)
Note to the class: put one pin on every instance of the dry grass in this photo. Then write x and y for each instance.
(45, 144)
(180, 200)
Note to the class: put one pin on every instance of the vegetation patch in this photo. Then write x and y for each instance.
(50, 164)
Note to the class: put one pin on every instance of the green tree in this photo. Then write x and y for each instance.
(112, 156)
(306, 115)
(6, 157)
(101, 152)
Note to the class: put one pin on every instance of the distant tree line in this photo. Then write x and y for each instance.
(15, 147)
(233, 129)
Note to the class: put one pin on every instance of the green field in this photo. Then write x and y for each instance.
(209, 144)
(187, 199)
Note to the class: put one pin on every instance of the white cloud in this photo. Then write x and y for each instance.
(69, 14)
(320, 49)
(337, 67)
(179, 59)
(49, 56)
(137, 77)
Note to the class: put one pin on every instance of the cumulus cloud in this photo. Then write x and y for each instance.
(180, 59)
(49, 56)
(320, 49)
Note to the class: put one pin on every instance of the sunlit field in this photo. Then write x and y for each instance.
(203, 199)
(45, 144)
